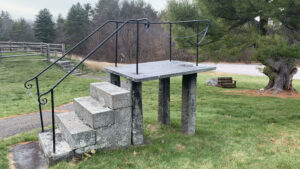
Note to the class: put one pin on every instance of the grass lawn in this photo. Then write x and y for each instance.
(232, 131)
(14, 99)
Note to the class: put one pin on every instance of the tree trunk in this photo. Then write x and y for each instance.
(280, 73)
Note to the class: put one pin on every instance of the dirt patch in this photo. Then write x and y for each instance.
(152, 128)
(27, 155)
(284, 94)
(11, 161)
(94, 65)
(180, 147)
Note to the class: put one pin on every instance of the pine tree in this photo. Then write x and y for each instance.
(60, 30)
(5, 26)
(22, 31)
(77, 24)
(44, 26)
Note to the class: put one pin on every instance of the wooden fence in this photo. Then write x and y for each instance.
(20, 49)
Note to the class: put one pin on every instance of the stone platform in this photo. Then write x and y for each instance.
(161, 70)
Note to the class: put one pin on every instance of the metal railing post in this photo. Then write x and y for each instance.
(39, 100)
(137, 47)
(53, 121)
(197, 57)
(116, 55)
(170, 41)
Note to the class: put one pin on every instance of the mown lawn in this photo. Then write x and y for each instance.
(232, 131)
(14, 99)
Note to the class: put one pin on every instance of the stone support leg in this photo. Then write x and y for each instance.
(188, 114)
(164, 101)
(114, 79)
(137, 112)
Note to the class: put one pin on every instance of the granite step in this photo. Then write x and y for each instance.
(114, 97)
(74, 131)
(93, 112)
(64, 63)
(63, 149)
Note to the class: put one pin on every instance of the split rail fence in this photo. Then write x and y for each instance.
(20, 49)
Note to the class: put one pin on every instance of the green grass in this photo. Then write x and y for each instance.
(232, 131)
(14, 99)
(17, 53)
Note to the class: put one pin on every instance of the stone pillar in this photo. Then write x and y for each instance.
(164, 101)
(114, 79)
(188, 108)
(137, 112)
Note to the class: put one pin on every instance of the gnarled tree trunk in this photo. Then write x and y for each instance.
(280, 73)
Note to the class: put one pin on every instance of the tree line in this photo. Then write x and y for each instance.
(83, 19)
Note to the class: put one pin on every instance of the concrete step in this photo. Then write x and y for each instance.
(114, 96)
(63, 149)
(93, 112)
(76, 72)
(64, 62)
(74, 131)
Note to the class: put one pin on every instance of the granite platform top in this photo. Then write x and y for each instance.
(157, 70)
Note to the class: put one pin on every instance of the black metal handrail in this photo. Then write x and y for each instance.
(44, 100)
(28, 86)
(36, 77)
(144, 21)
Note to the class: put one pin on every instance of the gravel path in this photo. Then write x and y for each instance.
(244, 69)
(14, 125)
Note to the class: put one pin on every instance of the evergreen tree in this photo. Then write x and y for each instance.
(5, 26)
(106, 10)
(22, 31)
(44, 26)
(77, 24)
(60, 30)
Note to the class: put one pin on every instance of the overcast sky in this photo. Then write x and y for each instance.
(28, 9)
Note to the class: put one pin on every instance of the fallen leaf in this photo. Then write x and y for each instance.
(180, 147)
(87, 155)
(93, 151)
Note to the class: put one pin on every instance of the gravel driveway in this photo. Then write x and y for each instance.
(245, 69)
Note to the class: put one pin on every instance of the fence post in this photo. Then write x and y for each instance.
(10, 49)
(48, 52)
(41, 48)
(0, 55)
(63, 49)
